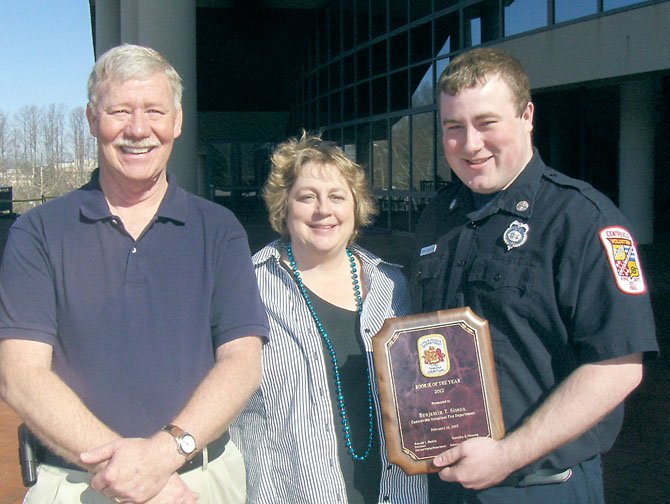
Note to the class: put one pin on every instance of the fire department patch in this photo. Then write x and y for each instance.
(623, 259)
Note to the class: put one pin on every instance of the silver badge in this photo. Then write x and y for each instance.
(515, 235)
(522, 206)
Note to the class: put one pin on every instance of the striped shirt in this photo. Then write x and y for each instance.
(287, 433)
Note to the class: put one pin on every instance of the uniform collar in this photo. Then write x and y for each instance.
(518, 199)
(94, 206)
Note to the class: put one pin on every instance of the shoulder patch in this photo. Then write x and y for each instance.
(623, 259)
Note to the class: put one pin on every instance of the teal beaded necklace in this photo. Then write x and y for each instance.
(333, 357)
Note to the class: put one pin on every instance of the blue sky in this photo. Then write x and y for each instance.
(46, 53)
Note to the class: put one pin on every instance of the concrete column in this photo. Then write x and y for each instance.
(636, 156)
(168, 27)
(107, 25)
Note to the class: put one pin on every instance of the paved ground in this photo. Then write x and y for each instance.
(637, 470)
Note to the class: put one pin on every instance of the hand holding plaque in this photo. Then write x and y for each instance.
(437, 385)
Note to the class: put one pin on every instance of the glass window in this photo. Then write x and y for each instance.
(335, 82)
(363, 99)
(335, 107)
(362, 21)
(363, 64)
(482, 23)
(441, 66)
(322, 34)
(349, 70)
(422, 43)
(423, 141)
(422, 93)
(334, 32)
(349, 105)
(616, 4)
(397, 13)
(363, 148)
(399, 51)
(525, 15)
(377, 18)
(324, 116)
(447, 34)
(443, 4)
(442, 170)
(399, 90)
(379, 58)
(380, 154)
(565, 10)
(323, 81)
(400, 154)
(419, 9)
(379, 94)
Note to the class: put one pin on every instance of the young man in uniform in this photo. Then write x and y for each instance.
(551, 264)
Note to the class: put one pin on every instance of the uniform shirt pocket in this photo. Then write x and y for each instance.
(500, 290)
(427, 285)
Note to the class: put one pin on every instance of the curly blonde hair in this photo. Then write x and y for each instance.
(287, 162)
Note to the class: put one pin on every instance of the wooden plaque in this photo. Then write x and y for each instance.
(437, 385)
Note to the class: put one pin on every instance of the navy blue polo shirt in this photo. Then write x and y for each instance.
(535, 262)
(133, 324)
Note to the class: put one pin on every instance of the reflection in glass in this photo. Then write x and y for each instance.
(423, 94)
(400, 154)
(446, 34)
(422, 151)
(443, 172)
(615, 4)
(524, 15)
(565, 10)
(380, 155)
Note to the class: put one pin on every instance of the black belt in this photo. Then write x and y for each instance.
(214, 450)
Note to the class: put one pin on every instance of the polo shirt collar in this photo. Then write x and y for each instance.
(94, 205)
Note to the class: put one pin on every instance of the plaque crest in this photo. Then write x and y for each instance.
(433, 355)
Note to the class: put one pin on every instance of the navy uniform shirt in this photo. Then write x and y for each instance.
(549, 262)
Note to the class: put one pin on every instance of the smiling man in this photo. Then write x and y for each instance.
(552, 266)
(131, 325)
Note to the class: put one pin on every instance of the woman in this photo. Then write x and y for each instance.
(311, 433)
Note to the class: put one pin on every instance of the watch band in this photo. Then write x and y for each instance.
(186, 444)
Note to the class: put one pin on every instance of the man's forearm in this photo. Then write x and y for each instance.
(590, 393)
(225, 390)
(45, 403)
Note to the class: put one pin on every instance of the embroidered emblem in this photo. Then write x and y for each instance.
(428, 249)
(522, 206)
(623, 259)
(433, 355)
(515, 235)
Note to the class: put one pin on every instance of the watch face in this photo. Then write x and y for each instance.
(187, 444)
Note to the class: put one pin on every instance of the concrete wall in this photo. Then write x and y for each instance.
(627, 43)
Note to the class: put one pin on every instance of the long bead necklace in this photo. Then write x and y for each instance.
(346, 429)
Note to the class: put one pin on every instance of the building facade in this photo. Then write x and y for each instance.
(363, 72)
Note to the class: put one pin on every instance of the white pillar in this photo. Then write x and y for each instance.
(636, 156)
(168, 27)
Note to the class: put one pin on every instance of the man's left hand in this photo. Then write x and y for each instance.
(476, 463)
(136, 469)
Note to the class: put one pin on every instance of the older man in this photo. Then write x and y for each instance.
(130, 321)
(552, 265)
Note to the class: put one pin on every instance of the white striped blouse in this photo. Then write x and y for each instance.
(287, 432)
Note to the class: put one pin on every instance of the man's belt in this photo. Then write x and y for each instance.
(214, 450)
